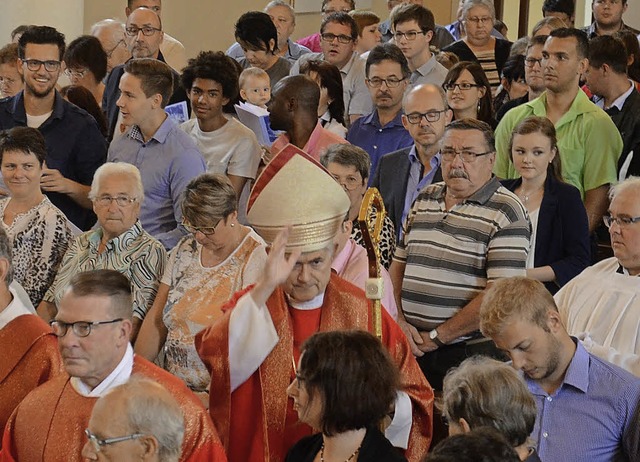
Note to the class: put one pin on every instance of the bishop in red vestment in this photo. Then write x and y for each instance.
(252, 349)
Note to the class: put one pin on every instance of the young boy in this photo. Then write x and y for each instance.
(255, 87)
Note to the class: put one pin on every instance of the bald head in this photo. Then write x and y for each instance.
(140, 45)
(424, 91)
(426, 114)
(301, 88)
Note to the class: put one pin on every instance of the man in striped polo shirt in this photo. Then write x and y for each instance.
(460, 235)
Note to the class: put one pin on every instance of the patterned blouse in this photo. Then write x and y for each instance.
(40, 238)
(196, 295)
(387, 240)
(134, 253)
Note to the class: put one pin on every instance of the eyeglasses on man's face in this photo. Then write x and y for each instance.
(467, 156)
(112, 50)
(530, 62)
(35, 64)
(98, 443)
(391, 82)
(147, 31)
(80, 328)
(430, 116)
(410, 35)
(76, 73)
(621, 221)
(329, 38)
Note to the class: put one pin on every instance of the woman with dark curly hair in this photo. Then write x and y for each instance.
(344, 386)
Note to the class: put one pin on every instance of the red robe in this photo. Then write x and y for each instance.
(256, 422)
(30, 357)
(49, 424)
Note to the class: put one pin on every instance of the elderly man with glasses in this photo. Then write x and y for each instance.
(93, 326)
(117, 242)
(110, 32)
(459, 237)
(602, 304)
(147, 413)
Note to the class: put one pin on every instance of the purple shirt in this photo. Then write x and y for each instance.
(592, 416)
(167, 162)
(367, 133)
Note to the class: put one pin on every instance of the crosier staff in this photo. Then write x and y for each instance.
(372, 205)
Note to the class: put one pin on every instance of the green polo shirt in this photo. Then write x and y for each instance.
(588, 140)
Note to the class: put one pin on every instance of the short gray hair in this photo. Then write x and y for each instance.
(117, 168)
(487, 392)
(152, 410)
(347, 155)
(115, 26)
(633, 182)
(6, 252)
(274, 3)
(488, 4)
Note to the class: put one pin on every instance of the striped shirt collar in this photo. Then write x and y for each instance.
(482, 195)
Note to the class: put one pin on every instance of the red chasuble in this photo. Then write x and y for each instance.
(30, 357)
(49, 424)
(256, 422)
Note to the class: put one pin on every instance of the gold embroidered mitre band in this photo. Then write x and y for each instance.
(295, 190)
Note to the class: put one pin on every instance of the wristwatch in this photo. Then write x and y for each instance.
(433, 335)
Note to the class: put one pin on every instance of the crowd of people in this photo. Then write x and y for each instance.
(178, 283)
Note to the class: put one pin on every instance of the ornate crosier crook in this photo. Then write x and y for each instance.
(371, 231)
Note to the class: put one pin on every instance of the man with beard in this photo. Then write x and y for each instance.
(294, 109)
(588, 141)
(571, 387)
(75, 146)
(381, 131)
(460, 236)
(143, 35)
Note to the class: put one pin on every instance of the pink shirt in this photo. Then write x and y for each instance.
(319, 141)
(352, 265)
(312, 42)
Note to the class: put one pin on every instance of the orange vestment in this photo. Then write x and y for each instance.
(30, 357)
(49, 424)
(255, 421)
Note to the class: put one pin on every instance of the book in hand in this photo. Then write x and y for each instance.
(257, 120)
(178, 112)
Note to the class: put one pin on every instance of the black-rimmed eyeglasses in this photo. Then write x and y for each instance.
(461, 86)
(416, 117)
(329, 38)
(35, 64)
(80, 328)
(147, 31)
